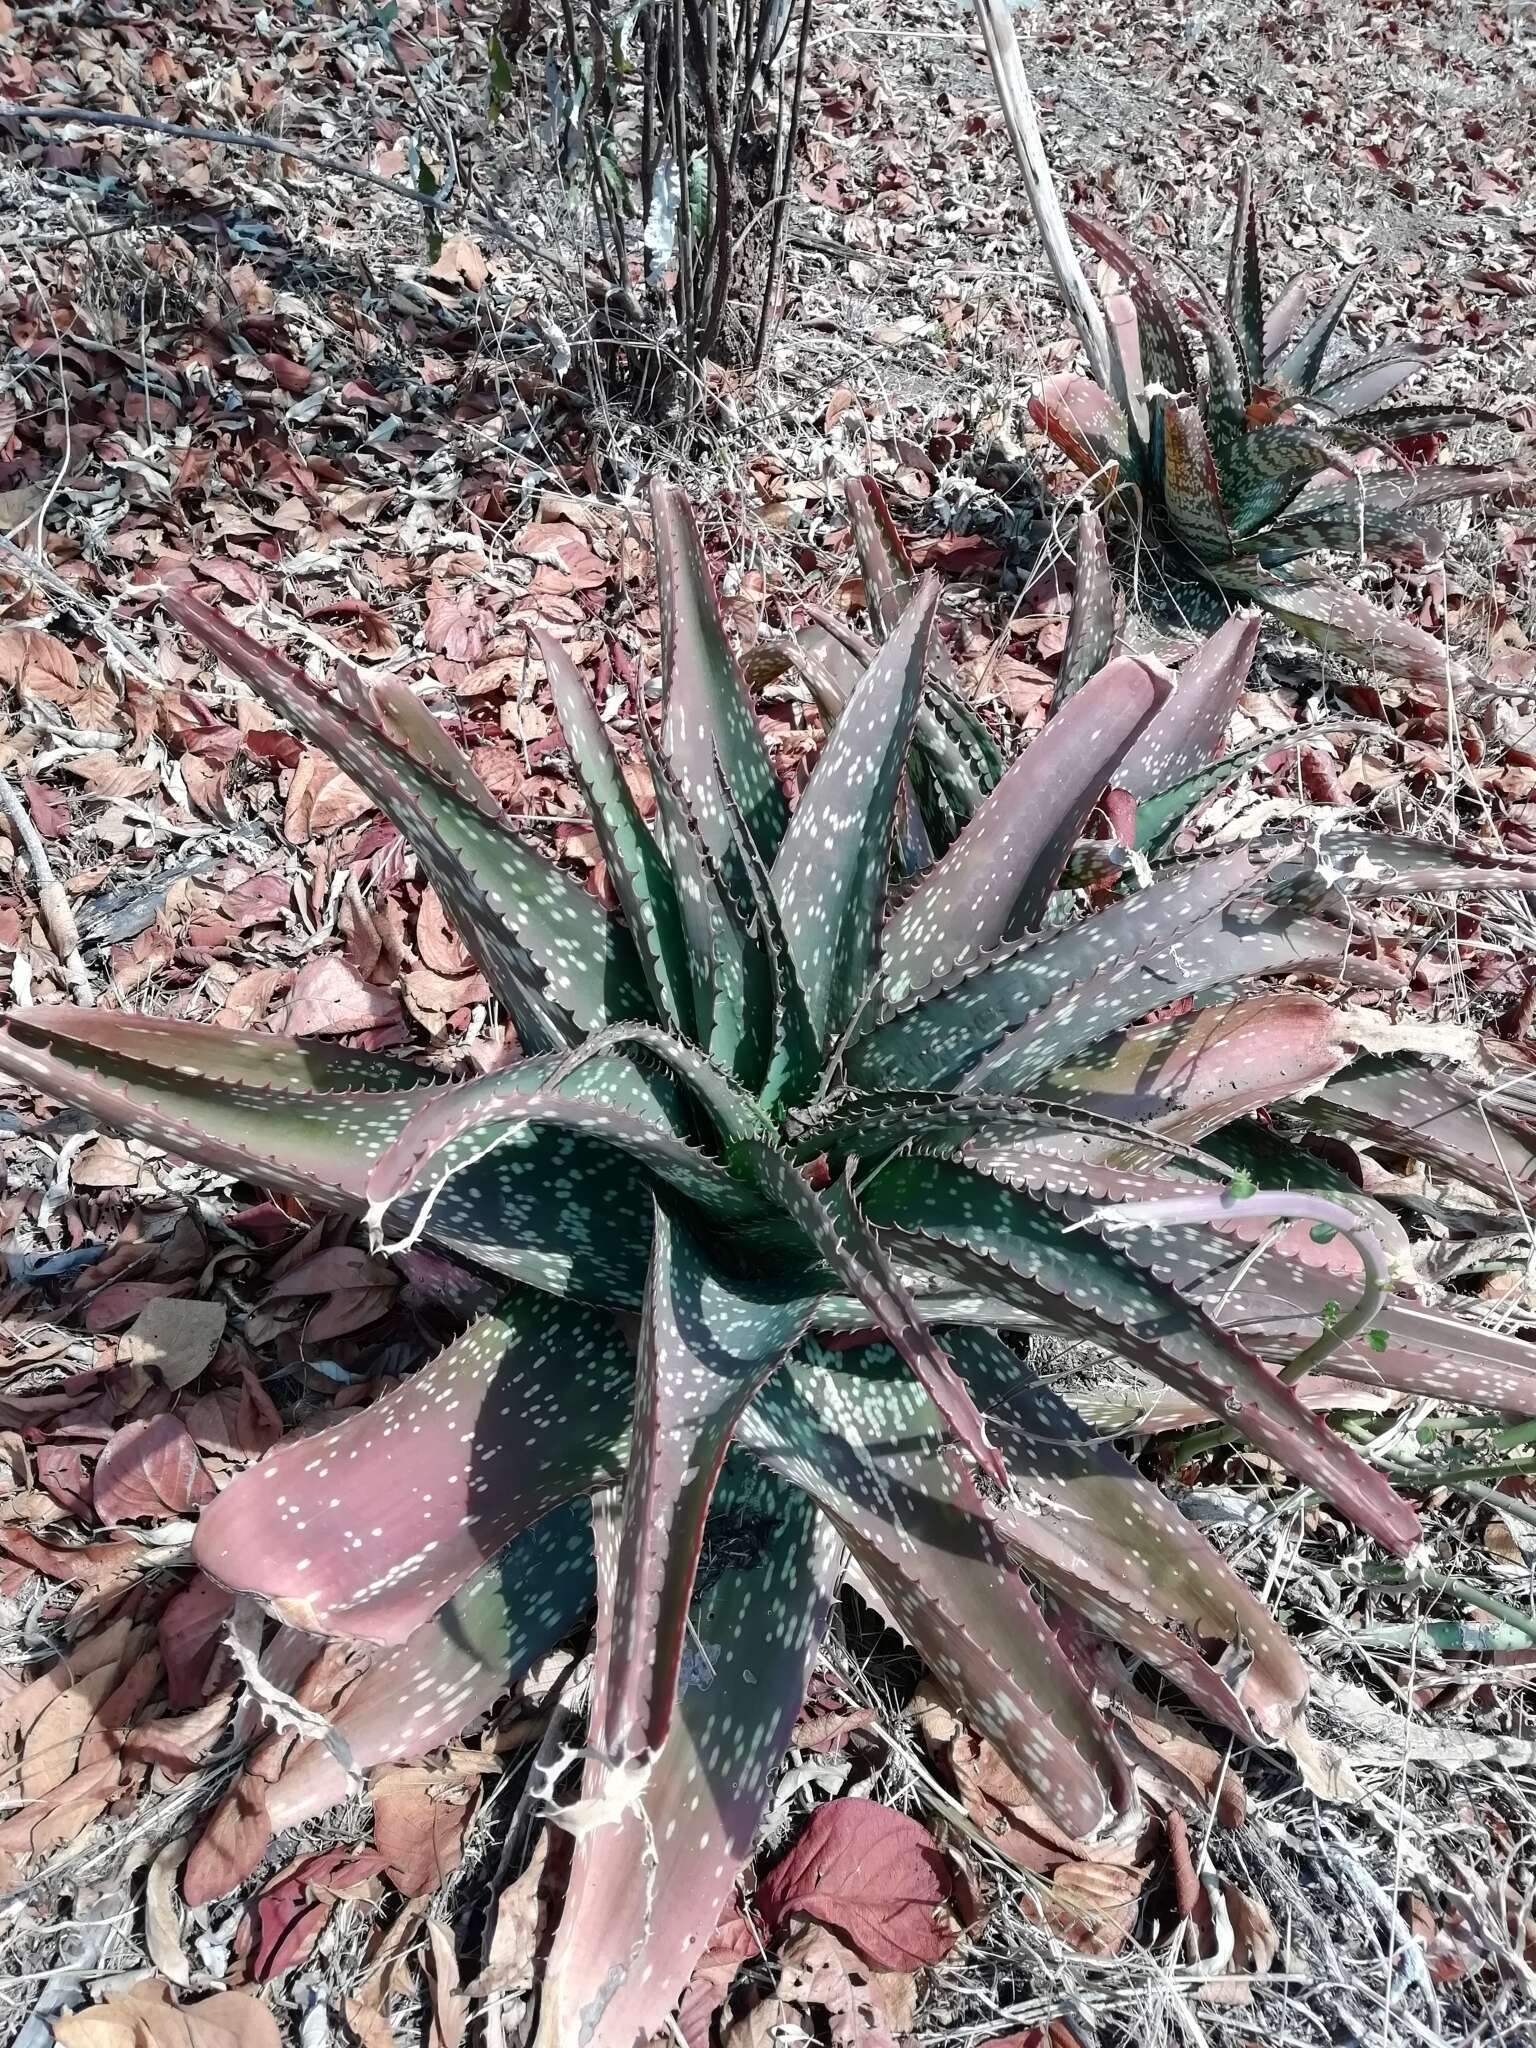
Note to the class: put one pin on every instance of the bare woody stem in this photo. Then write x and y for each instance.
(1024, 127)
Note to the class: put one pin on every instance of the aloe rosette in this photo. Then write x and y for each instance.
(1230, 450)
(840, 1103)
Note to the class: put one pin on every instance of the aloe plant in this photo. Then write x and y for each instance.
(1224, 453)
(839, 1103)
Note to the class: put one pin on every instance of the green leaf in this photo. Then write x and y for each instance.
(868, 1447)
(995, 882)
(428, 1150)
(706, 1346)
(641, 879)
(971, 1230)
(454, 1667)
(943, 1031)
(833, 869)
(1300, 368)
(1245, 280)
(848, 1248)
(561, 964)
(705, 706)
(1109, 1543)
(1091, 626)
(645, 1892)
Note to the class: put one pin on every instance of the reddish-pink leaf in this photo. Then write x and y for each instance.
(151, 1468)
(874, 1876)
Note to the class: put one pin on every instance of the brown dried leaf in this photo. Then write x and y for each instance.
(151, 1469)
(174, 1338)
(147, 2016)
(419, 1818)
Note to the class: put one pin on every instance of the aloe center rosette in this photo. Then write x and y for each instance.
(806, 1141)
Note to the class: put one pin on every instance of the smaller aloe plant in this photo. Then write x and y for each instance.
(861, 1068)
(1225, 455)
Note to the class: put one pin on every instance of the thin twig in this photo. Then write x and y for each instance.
(1290, 1206)
(229, 138)
(52, 902)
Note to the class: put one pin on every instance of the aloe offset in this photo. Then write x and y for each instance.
(856, 1069)
(1218, 474)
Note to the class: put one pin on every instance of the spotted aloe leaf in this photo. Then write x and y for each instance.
(1244, 943)
(1190, 726)
(869, 1448)
(833, 869)
(641, 878)
(706, 711)
(1227, 388)
(1192, 489)
(645, 1892)
(831, 1222)
(1080, 976)
(1410, 1107)
(1163, 347)
(1341, 621)
(1091, 627)
(973, 1230)
(366, 1528)
(1245, 278)
(731, 991)
(706, 1347)
(1161, 817)
(890, 584)
(551, 1207)
(287, 1113)
(1197, 1073)
(1363, 865)
(1086, 424)
(995, 882)
(429, 1148)
(425, 1691)
(1373, 512)
(1109, 1543)
(1299, 368)
(1372, 379)
(561, 964)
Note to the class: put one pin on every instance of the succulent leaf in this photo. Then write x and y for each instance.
(1164, 350)
(995, 882)
(977, 1232)
(366, 1528)
(455, 1666)
(850, 1250)
(561, 964)
(706, 710)
(1245, 279)
(1109, 1544)
(706, 1347)
(868, 1447)
(1300, 367)
(1091, 626)
(645, 1893)
(833, 868)
(1189, 728)
(1198, 1072)
(641, 878)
